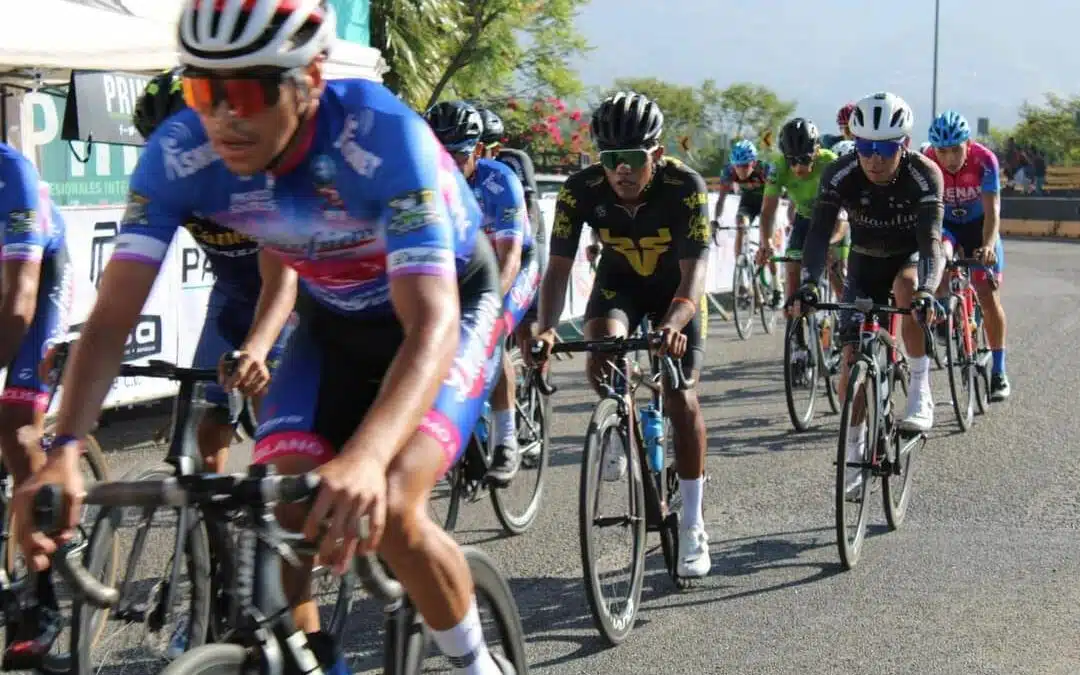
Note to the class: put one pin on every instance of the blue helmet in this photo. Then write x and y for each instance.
(743, 152)
(949, 129)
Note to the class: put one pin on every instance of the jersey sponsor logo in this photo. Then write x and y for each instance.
(962, 193)
(561, 228)
(513, 214)
(219, 237)
(23, 221)
(696, 199)
(362, 162)
(412, 211)
(135, 211)
(291, 443)
(600, 211)
(180, 163)
(420, 259)
(842, 173)
(643, 254)
(919, 176)
(253, 201)
(699, 229)
(22, 252)
(566, 198)
(491, 184)
(365, 298)
(469, 371)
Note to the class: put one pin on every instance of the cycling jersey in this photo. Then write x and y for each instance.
(885, 221)
(373, 197)
(233, 259)
(964, 189)
(522, 165)
(802, 191)
(33, 231)
(753, 184)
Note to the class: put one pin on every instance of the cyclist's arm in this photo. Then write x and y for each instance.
(26, 220)
(725, 189)
(826, 210)
(693, 249)
(991, 199)
(511, 220)
(931, 213)
(565, 235)
(771, 200)
(277, 297)
(841, 228)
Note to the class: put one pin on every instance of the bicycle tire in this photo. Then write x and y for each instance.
(103, 536)
(765, 309)
(57, 663)
(516, 524)
(743, 267)
(832, 382)
(896, 489)
(982, 370)
(960, 365)
(213, 659)
(801, 423)
(606, 419)
(851, 549)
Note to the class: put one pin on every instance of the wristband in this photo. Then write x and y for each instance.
(59, 441)
(687, 301)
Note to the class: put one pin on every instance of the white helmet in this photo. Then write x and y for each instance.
(227, 34)
(881, 117)
(924, 146)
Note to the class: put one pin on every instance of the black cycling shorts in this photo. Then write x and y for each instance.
(629, 303)
(750, 207)
(869, 277)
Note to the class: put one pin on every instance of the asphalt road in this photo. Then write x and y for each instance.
(980, 579)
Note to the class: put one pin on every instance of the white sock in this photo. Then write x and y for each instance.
(920, 367)
(691, 491)
(856, 441)
(504, 430)
(464, 645)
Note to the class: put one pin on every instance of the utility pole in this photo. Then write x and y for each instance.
(933, 92)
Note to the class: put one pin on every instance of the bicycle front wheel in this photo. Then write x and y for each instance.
(742, 297)
(960, 364)
(853, 506)
(210, 660)
(896, 488)
(801, 370)
(614, 613)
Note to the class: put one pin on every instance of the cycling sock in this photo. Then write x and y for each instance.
(691, 490)
(856, 440)
(503, 429)
(999, 361)
(464, 645)
(920, 371)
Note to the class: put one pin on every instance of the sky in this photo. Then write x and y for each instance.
(993, 54)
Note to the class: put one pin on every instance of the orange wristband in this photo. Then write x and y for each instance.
(693, 305)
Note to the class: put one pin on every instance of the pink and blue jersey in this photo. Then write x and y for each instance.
(964, 190)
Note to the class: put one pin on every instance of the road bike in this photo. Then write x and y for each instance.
(653, 502)
(752, 287)
(263, 638)
(968, 357)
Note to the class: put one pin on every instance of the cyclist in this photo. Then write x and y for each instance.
(894, 200)
(843, 116)
(651, 213)
(459, 126)
(925, 146)
(750, 174)
(972, 222)
(400, 328)
(35, 297)
(798, 172)
(230, 311)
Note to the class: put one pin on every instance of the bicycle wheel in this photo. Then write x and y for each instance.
(614, 618)
(982, 368)
(853, 509)
(828, 352)
(800, 369)
(94, 469)
(742, 297)
(764, 296)
(896, 487)
(518, 504)
(210, 660)
(960, 365)
(142, 637)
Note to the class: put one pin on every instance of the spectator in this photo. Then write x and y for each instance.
(1039, 168)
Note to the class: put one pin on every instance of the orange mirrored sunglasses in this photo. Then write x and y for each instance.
(245, 96)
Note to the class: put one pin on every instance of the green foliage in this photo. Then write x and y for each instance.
(1051, 128)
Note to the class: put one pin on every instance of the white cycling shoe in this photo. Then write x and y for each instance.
(694, 558)
(919, 414)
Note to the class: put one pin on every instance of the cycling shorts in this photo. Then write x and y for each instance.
(333, 368)
(969, 236)
(869, 277)
(521, 299)
(799, 227)
(629, 301)
(50, 324)
(750, 206)
(227, 323)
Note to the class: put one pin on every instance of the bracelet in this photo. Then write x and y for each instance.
(693, 305)
(59, 441)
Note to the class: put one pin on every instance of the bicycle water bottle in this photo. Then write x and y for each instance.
(652, 431)
(483, 423)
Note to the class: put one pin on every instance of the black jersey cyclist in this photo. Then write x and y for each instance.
(459, 127)
(893, 196)
(651, 213)
(231, 309)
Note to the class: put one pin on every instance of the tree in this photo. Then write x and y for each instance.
(1051, 128)
(475, 49)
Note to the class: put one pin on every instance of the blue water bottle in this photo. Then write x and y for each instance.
(652, 430)
(483, 423)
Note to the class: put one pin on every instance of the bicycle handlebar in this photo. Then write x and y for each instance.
(200, 489)
(615, 345)
(863, 305)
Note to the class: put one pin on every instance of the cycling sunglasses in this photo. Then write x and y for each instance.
(634, 158)
(799, 160)
(245, 95)
(886, 149)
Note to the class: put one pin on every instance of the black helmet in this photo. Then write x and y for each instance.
(493, 127)
(799, 137)
(626, 120)
(456, 124)
(162, 97)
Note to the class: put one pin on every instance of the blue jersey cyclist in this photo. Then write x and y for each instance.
(459, 127)
(35, 296)
(400, 326)
(233, 259)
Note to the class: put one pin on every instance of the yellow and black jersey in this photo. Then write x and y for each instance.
(647, 239)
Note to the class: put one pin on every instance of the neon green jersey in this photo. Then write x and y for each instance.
(802, 191)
